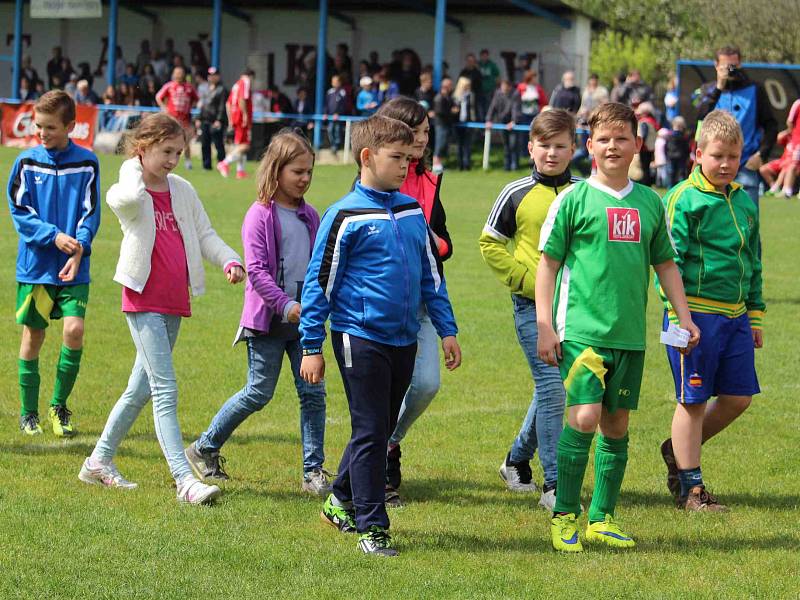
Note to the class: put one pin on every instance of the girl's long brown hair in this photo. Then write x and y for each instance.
(286, 145)
(410, 112)
(153, 129)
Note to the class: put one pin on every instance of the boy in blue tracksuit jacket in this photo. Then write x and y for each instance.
(373, 262)
(53, 195)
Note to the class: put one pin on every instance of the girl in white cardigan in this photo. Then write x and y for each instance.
(166, 236)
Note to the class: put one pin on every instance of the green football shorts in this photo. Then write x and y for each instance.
(38, 303)
(592, 375)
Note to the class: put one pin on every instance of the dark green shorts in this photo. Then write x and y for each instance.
(38, 303)
(593, 375)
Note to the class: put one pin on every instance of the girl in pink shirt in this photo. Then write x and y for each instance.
(166, 236)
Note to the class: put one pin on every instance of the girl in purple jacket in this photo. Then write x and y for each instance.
(278, 234)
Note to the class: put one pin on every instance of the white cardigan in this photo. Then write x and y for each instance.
(133, 206)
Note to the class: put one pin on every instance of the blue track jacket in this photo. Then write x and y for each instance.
(372, 264)
(52, 192)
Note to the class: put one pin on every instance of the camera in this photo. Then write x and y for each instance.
(734, 73)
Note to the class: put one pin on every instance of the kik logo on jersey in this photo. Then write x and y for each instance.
(623, 224)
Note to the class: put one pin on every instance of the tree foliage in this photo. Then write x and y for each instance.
(651, 35)
(614, 52)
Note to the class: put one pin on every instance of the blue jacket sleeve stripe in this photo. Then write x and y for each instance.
(331, 257)
(433, 261)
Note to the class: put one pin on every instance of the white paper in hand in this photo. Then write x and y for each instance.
(675, 336)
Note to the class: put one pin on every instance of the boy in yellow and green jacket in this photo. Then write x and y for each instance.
(714, 226)
(517, 218)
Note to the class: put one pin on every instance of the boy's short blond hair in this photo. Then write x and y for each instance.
(615, 114)
(550, 123)
(719, 126)
(378, 131)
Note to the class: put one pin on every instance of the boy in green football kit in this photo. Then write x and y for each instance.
(53, 195)
(714, 224)
(598, 243)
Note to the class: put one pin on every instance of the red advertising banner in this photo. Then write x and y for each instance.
(18, 130)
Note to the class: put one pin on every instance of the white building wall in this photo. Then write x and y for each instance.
(272, 30)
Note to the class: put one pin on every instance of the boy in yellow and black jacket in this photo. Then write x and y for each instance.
(517, 217)
(714, 226)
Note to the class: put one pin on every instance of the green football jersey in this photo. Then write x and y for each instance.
(606, 241)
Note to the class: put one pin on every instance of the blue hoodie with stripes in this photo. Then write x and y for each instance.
(52, 192)
(374, 262)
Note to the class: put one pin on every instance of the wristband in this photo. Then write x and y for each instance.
(312, 351)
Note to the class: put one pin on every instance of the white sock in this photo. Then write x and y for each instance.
(187, 479)
(336, 502)
(242, 163)
(97, 463)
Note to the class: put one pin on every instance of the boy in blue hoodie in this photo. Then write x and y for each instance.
(374, 261)
(53, 195)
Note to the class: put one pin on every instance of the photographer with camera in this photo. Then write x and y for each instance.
(747, 101)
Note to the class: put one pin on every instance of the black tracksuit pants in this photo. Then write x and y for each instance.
(376, 377)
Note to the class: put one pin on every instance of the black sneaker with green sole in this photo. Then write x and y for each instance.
(376, 541)
(343, 519)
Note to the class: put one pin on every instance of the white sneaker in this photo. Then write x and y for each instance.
(188, 164)
(548, 500)
(193, 491)
(107, 475)
(518, 476)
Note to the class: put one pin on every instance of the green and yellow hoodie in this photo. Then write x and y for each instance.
(716, 239)
(517, 216)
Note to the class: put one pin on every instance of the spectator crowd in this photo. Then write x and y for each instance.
(478, 93)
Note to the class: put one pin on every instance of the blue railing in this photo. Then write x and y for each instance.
(116, 117)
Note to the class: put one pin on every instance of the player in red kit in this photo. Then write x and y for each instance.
(177, 98)
(240, 116)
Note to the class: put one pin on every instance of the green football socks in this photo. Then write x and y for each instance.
(29, 380)
(69, 362)
(610, 458)
(573, 455)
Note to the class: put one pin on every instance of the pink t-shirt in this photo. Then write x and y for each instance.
(794, 117)
(167, 288)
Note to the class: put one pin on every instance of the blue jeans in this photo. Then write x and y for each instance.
(544, 421)
(464, 137)
(336, 134)
(154, 336)
(442, 140)
(425, 380)
(264, 361)
(510, 158)
(523, 138)
(750, 181)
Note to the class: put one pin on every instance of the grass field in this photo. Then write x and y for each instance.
(461, 534)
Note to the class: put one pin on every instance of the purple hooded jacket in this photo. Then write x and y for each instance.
(261, 235)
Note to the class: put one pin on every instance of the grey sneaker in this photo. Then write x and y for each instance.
(548, 499)
(206, 465)
(317, 482)
(107, 475)
(391, 497)
(518, 476)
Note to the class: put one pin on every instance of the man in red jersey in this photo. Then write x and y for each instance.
(177, 98)
(240, 116)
